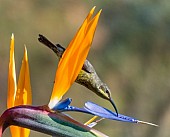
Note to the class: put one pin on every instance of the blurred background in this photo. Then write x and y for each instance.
(130, 52)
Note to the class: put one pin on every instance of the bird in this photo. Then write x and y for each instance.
(87, 76)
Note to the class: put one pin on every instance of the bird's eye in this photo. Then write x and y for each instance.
(108, 92)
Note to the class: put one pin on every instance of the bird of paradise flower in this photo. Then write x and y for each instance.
(50, 119)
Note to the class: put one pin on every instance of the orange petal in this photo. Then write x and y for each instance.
(12, 84)
(73, 58)
(11, 76)
(23, 94)
(24, 132)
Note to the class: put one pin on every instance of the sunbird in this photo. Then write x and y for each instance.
(87, 76)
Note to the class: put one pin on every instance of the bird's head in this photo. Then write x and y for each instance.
(104, 92)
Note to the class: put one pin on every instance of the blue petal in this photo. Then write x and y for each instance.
(72, 108)
(62, 104)
(105, 113)
(94, 109)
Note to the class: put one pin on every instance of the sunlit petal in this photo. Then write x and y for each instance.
(73, 58)
(11, 76)
(12, 87)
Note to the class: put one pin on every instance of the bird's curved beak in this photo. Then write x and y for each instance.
(113, 104)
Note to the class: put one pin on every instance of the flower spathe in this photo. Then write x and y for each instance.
(73, 58)
(21, 94)
(42, 119)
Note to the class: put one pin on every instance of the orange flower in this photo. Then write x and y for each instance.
(73, 58)
(20, 95)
